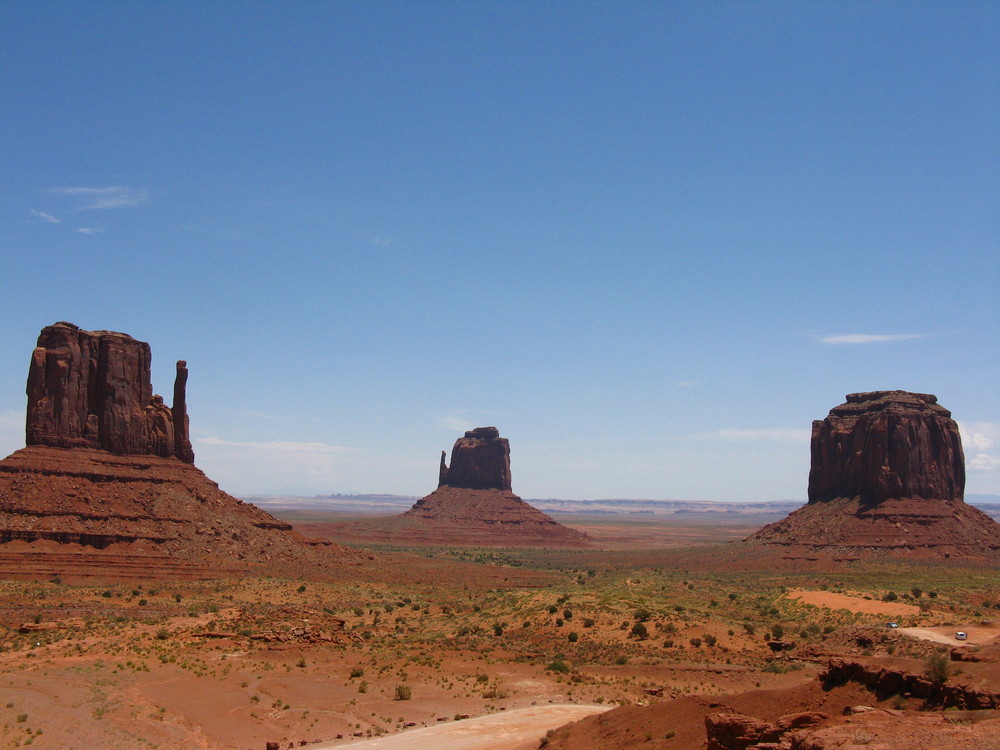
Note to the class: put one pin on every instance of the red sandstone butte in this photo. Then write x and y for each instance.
(474, 504)
(479, 461)
(887, 478)
(107, 487)
(91, 389)
(887, 444)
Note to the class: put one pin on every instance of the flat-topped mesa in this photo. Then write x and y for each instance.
(479, 461)
(92, 389)
(887, 480)
(887, 444)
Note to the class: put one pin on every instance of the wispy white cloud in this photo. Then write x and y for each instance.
(869, 338)
(90, 230)
(456, 421)
(978, 438)
(983, 462)
(115, 196)
(757, 435)
(381, 241)
(47, 218)
(253, 467)
(275, 447)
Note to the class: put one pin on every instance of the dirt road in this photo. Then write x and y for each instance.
(977, 634)
(509, 730)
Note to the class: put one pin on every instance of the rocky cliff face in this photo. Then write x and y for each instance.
(887, 444)
(479, 461)
(91, 389)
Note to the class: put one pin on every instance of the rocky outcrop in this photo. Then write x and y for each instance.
(91, 389)
(479, 461)
(886, 480)
(887, 444)
(735, 731)
(886, 682)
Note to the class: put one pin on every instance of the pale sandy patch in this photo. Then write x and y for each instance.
(500, 731)
(832, 600)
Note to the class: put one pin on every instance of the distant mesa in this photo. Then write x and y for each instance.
(887, 478)
(474, 504)
(479, 461)
(107, 483)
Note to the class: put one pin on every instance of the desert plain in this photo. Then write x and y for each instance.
(650, 639)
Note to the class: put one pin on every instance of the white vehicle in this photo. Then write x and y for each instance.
(960, 636)
(892, 624)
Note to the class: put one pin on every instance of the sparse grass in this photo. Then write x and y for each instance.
(425, 630)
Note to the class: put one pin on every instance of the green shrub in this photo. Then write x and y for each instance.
(403, 692)
(937, 667)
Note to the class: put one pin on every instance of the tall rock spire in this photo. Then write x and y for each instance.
(182, 442)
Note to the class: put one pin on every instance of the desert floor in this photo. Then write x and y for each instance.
(239, 662)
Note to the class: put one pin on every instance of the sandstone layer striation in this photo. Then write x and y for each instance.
(887, 478)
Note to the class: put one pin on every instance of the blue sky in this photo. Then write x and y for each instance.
(651, 242)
